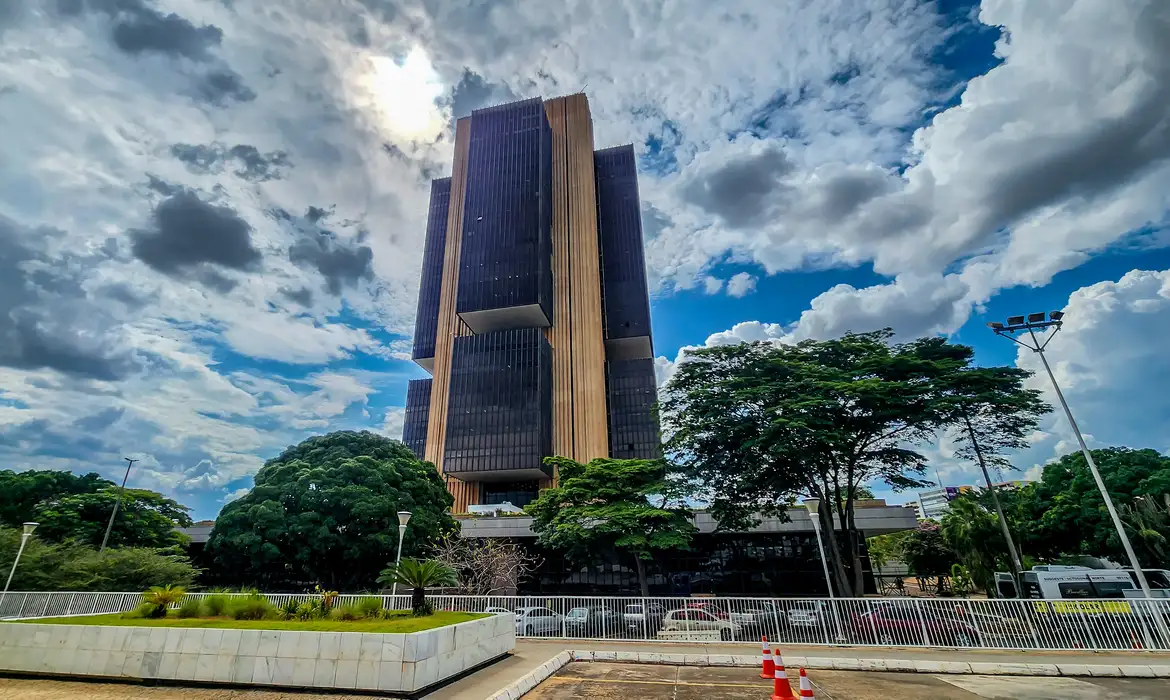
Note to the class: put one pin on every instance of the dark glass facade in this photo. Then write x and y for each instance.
(633, 426)
(418, 407)
(499, 417)
(727, 564)
(426, 323)
(518, 493)
(625, 300)
(506, 257)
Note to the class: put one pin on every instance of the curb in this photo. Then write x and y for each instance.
(518, 688)
(530, 680)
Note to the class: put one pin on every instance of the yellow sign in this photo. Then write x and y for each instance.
(1091, 607)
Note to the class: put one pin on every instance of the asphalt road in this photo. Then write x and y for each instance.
(602, 681)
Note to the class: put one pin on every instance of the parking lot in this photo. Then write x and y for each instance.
(602, 681)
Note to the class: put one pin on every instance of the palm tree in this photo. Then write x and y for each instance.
(419, 575)
(162, 597)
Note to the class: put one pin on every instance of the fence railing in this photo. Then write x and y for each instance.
(1102, 625)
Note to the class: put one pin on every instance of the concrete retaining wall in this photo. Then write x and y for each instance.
(394, 663)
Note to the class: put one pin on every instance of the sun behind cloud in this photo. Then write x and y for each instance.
(403, 92)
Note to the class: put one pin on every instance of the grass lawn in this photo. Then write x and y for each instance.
(397, 626)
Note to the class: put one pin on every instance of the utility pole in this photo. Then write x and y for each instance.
(117, 504)
(1033, 323)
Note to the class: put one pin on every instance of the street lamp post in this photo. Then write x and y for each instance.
(814, 506)
(1038, 322)
(28, 531)
(117, 504)
(403, 519)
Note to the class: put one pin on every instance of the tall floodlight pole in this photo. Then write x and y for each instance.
(1037, 322)
(814, 506)
(117, 504)
(403, 519)
(28, 531)
(1017, 567)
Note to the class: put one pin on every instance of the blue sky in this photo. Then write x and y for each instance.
(211, 228)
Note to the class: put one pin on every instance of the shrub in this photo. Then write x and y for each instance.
(370, 607)
(191, 607)
(215, 604)
(143, 610)
(251, 607)
(288, 611)
(348, 613)
(307, 611)
(162, 598)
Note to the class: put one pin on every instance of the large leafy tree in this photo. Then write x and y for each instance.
(992, 414)
(623, 504)
(325, 511)
(973, 533)
(1063, 513)
(69, 566)
(145, 518)
(759, 425)
(927, 553)
(72, 507)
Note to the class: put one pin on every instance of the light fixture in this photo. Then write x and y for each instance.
(1036, 318)
(813, 505)
(1015, 320)
(403, 517)
(995, 326)
(29, 527)
(1055, 315)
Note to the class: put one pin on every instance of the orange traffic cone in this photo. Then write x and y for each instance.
(806, 690)
(769, 670)
(1133, 641)
(780, 688)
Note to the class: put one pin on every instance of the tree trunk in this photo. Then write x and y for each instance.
(844, 588)
(418, 600)
(643, 584)
(854, 537)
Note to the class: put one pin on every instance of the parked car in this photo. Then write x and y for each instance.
(594, 621)
(538, 622)
(497, 611)
(894, 624)
(808, 613)
(761, 615)
(1005, 631)
(695, 619)
(644, 620)
(711, 607)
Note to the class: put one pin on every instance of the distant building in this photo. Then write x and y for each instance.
(934, 503)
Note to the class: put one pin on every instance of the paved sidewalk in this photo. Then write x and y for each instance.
(554, 647)
(530, 654)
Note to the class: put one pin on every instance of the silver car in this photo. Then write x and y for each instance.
(538, 622)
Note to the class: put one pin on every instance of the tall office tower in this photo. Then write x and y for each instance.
(533, 314)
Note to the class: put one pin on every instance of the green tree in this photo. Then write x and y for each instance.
(22, 492)
(927, 553)
(68, 566)
(1147, 522)
(884, 549)
(145, 518)
(419, 576)
(973, 533)
(1063, 513)
(757, 426)
(623, 504)
(325, 511)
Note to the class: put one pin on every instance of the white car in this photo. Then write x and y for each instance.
(693, 619)
(533, 622)
(807, 613)
(497, 611)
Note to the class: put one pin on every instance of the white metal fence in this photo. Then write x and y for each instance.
(1113, 625)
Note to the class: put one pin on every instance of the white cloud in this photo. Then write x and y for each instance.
(741, 284)
(1110, 362)
(712, 285)
(394, 422)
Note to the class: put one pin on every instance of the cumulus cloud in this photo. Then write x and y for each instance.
(250, 164)
(741, 284)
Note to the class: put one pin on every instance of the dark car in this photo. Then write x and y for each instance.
(644, 619)
(901, 624)
(596, 621)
